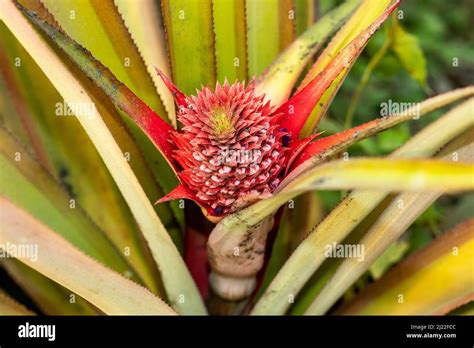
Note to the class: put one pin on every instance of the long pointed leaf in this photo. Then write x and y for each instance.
(188, 25)
(104, 288)
(278, 80)
(111, 43)
(367, 12)
(231, 49)
(432, 281)
(28, 185)
(50, 297)
(144, 22)
(299, 106)
(269, 30)
(351, 211)
(321, 149)
(119, 94)
(80, 169)
(391, 224)
(176, 278)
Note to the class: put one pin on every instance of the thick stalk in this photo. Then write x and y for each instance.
(236, 257)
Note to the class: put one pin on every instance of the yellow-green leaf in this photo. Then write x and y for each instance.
(111, 42)
(390, 225)
(351, 212)
(175, 276)
(143, 19)
(230, 33)
(408, 51)
(294, 225)
(50, 297)
(28, 185)
(80, 169)
(270, 28)
(365, 14)
(334, 144)
(278, 80)
(104, 288)
(433, 281)
(188, 25)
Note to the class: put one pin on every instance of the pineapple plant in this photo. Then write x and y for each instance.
(152, 154)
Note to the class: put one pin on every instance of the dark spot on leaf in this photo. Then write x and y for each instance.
(64, 177)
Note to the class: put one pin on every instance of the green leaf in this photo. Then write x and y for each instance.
(270, 29)
(392, 223)
(28, 185)
(175, 276)
(231, 49)
(409, 52)
(104, 288)
(111, 43)
(374, 174)
(365, 14)
(433, 281)
(55, 132)
(116, 49)
(188, 25)
(322, 149)
(294, 225)
(351, 212)
(144, 22)
(304, 15)
(278, 80)
(50, 297)
(391, 256)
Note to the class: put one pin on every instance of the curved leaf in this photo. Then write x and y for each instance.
(350, 212)
(111, 43)
(175, 276)
(50, 297)
(297, 109)
(432, 281)
(80, 169)
(365, 14)
(391, 224)
(28, 185)
(321, 149)
(104, 288)
(278, 80)
(144, 22)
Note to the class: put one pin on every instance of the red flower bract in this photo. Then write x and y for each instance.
(230, 148)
